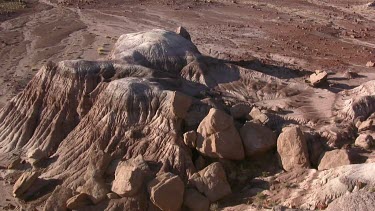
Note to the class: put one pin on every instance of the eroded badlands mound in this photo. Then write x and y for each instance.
(160, 126)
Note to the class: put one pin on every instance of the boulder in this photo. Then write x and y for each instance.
(366, 125)
(334, 158)
(190, 139)
(218, 137)
(183, 32)
(257, 138)
(318, 77)
(78, 201)
(57, 200)
(239, 111)
(24, 183)
(96, 189)
(212, 181)
(130, 176)
(167, 192)
(364, 141)
(35, 155)
(292, 148)
(370, 64)
(257, 115)
(195, 201)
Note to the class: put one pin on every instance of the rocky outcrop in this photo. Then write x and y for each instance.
(130, 176)
(212, 181)
(334, 158)
(218, 137)
(167, 192)
(257, 138)
(292, 148)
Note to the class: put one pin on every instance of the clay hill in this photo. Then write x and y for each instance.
(159, 126)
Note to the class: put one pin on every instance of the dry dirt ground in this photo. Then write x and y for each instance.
(287, 39)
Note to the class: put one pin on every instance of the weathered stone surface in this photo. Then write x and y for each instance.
(212, 181)
(130, 176)
(257, 115)
(195, 201)
(218, 137)
(35, 155)
(292, 148)
(57, 200)
(240, 111)
(167, 192)
(318, 77)
(24, 183)
(78, 201)
(257, 138)
(190, 139)
(365, 141)
(360, 200)
(334, 158)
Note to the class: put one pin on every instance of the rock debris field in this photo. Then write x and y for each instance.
(166, 118)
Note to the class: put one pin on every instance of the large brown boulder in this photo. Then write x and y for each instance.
(129, 176)
(195, 201)
(292, 148)
(257, 138)
(212, 181)
(334, 158)
(24, 182)
(218, 137)
(167, 192)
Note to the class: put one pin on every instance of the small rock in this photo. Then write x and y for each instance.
(78, 201)
(292, 148)
(112, 196)
(96, 189)
(257, 138)
(190, 139)
(167, 192)
(366, 125)
(350, 75)
(129, 176)
(333, 159)
(35, 155)
(212, 181)
(195, 201)
(257, 114)
(365, 141)
(183, 32)
(218, 137)
(24, 183)
(318, 77)
(370, 64)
